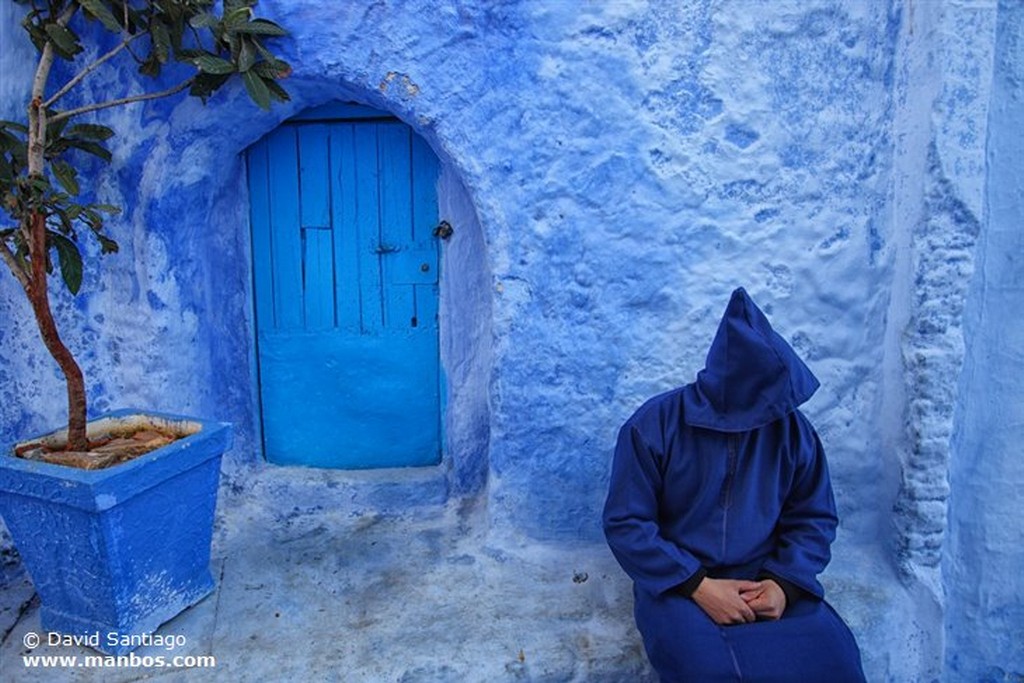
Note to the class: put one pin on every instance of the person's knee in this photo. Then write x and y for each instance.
(684, 645)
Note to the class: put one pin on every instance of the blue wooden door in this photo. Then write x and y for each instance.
(344, 204)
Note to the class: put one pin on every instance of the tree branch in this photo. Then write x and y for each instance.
(124, 100)
(89, 69)
(37, 114)
(36, 111)
(12, 263)
(65, 18)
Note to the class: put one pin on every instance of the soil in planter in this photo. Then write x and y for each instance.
(107, 450)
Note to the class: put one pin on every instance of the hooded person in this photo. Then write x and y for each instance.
(721, 511)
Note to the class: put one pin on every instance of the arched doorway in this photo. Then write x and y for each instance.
(345, 266)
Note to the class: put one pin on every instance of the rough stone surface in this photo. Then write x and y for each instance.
(612, 171)
(942, 244)
(983, 556)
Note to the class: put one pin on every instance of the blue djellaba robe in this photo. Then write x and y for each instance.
(726, 478)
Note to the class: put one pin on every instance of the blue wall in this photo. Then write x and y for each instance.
(985, 552)
(613, 170)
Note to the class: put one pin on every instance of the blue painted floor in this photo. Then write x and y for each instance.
(333, 591)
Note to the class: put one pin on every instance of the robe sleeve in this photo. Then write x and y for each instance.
(631, 521)
(807, 525)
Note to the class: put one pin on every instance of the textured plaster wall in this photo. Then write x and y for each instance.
(613, 170)
(940, 176)
(985, 551)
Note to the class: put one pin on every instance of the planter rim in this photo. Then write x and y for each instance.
(202, 429)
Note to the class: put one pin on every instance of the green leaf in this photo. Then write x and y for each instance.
(237, 17)
(257, 89)
(90, 131)
(99, 11)
(64, 40)
(262, 27)
(10, 143)
(107, 245)
(150, 67)
(246, 56)
(203, 20)
(70, 261)
(234, 44)
(161, 41)
(93, 148)
(35, 33)
(212, 64)
(14, 125)
(264, 52)
(38, 183)
(54, 129)
(276, 91)
(66, 175)
(66, 225)
(205, 85)
(273, 70)
(92, 218)
(188, 55)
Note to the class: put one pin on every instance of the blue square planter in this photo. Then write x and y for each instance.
(118, 551)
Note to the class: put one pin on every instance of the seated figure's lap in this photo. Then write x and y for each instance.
(810, 643)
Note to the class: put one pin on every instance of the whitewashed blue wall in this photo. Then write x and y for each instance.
(983, 554)
(613, 169)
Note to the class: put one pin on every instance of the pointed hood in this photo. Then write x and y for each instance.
(751, 377)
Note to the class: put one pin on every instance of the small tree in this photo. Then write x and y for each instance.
(203, 44)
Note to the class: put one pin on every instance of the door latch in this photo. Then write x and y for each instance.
(443, 230)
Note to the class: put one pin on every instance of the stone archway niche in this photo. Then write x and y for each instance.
(465, 306)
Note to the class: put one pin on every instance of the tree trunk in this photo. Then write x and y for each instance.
(38, 297)
(35, 236)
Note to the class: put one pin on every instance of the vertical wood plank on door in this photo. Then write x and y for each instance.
(345, 224)
(318, 272)
(424, 216)
(314, 175)
(396, 219)
(284, 220)
(424, 190)
(368, 238)
(315, 211)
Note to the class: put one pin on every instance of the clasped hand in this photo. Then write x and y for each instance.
(730, 601)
